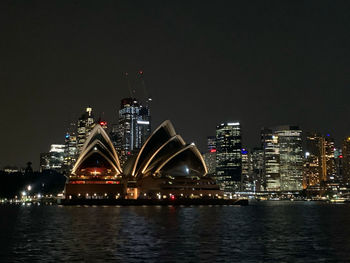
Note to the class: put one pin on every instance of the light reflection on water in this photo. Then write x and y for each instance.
(266, 231)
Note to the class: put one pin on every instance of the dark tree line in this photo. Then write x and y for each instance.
(46, 182)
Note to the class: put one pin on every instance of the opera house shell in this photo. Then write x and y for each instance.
(165, 167)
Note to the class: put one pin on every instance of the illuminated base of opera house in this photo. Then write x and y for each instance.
(165, 168)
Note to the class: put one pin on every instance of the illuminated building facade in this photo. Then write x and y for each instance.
(338, 160)
(312, 168)
(320, 163)
(248, 184)
(330, 173)
(165, 167)
(84, 127)
(228, 156)
(257, 157)
(211, 141)
(283, 158)
(70, 149)
(210, 161)
(346, 160)
(134, 127)
(271, 160)
(291, 157)
(210, 156)
(54, 159)
(97, 173)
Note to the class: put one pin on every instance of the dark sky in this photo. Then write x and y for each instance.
(263, 63)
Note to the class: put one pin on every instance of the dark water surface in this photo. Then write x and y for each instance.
(263, 232)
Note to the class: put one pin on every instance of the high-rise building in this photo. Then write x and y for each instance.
(257, 169)
(338, 160)
(134, 127)
(283, 160)
(328, 155)
(247, 179)
(291, 157)
(54, 159)
(210, 156)
(70, 150)
(84, 127)
(346, 160)
(312, 167)
(321, 161)
(270, 147)
(228, 156)
(211, 142)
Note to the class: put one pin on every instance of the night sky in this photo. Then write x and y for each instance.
(262, 63)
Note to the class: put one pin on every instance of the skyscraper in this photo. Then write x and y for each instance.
(210, 156)
(346, 160)
(270, 147)
(320, 161)
(291, 157)
(54, 159)
(247, 171)
(70, 150)
(84, 127)
(257, 169)
(211, 142)
(283, 161)
(329, 159)
(228, 156)
(134, 127)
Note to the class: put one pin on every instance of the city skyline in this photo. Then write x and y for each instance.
(264, 65)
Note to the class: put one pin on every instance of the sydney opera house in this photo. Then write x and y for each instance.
(164, 168)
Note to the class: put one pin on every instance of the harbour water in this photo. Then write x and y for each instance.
(267, 231)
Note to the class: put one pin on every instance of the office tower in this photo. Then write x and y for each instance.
(338, 160)
(270, 147)
(210, 156)
(257, 169)
(134, 127)
(321, 161)
(247, 172)
(53, 160)
(346, 160)
(228, 156)
(283, 160)
(211, 142)
(84, 127)
(329, 160)
(70, 150)
(291, 157)
(312, 167)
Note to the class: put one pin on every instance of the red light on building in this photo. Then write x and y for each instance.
(103, 123)
(341, 156)
(172, 197)
(213, 150)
